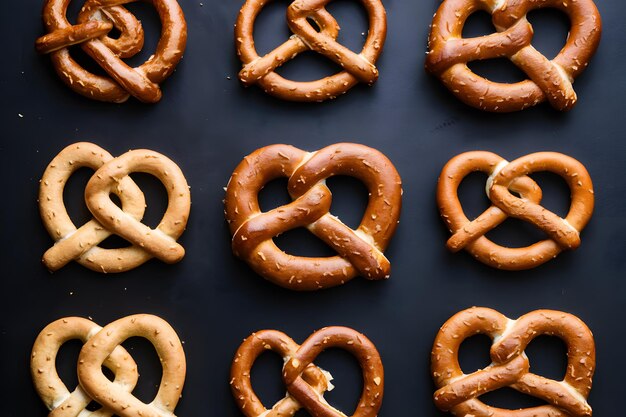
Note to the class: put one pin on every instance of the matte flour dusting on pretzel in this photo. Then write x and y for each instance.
(112, 177)
(360, 251)
(548, 80)
(321, 39)
(459, 393)
(305, 382)
(506, 178)
(95, 20)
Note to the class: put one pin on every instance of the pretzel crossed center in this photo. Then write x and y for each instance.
(459, 392)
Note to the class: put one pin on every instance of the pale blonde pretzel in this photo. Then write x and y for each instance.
(360, 251)
(551, 80)
(458, 392)
(504, 178)
(171, 355)
(355, 67)
(49, 386)
(95, 20)
(305, 382)
(81, 244)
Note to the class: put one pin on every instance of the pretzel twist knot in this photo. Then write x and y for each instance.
(305, 382)
(458, 392)
(95, 20)
(360, 251)
(102, 347)
(112, 177)
(505, 178)
(355, 67)
(549, 80)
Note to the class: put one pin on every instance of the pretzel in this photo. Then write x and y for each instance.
(49, 386)
(171, 355)
(111, 176)
(95, 20)
(355, 67)
(551, 80)
(458, 393)
(360, 251)
(504, 179)
(305, 382)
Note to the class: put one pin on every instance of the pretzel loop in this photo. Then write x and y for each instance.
(506, 178)
(355, 67)
(112, 177)
(458, 392)
(359, 251)
(305, 382)
(550, 80)
(95, 20)
(49, 386)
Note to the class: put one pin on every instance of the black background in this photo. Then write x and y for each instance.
(207, 122)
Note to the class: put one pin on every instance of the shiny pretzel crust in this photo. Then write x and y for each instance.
(458, 393)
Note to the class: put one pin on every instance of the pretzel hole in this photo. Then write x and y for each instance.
(550, 30)
(73, 196)
(510, 399)
(350, 198)
(66, 360)
(270, 27)
(474, 353)
(353, 21)
(156, 197)
(146, 13)
(148, 366)
(266, 377)
(478, 24)
(347, 379)
(499, 70)
(547, 356)
(472, 194)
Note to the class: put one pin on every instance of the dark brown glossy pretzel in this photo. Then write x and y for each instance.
(305, 382)
(360, 251)
(356, 67)
(95, 21)
(504, 179)
(458, 392)
(549, 80)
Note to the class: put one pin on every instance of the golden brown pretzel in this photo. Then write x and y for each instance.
(360, 251)
(171, 355)
(96, 19)
(458, 392)
(111, 176)
(504, 178)
(551, 80)
(49, 386)
(355, 67)
(305, 382)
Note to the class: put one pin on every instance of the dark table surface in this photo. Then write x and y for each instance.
(207, 122)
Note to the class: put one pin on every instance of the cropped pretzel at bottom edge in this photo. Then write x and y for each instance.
(459, 393)
(305, 382)
(102, 347)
